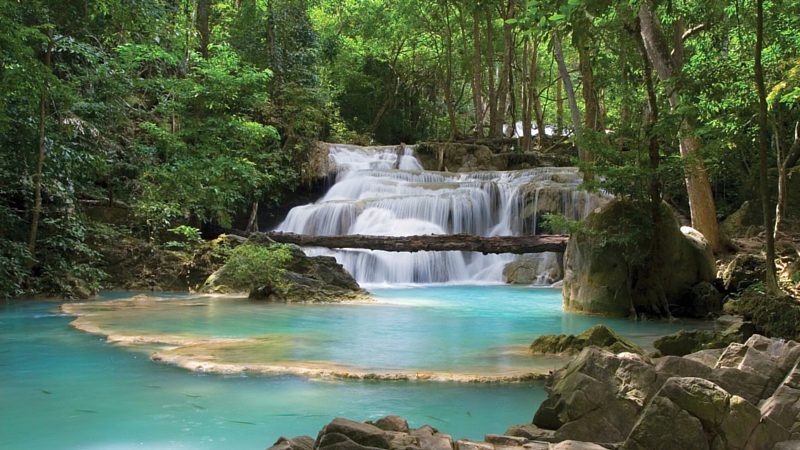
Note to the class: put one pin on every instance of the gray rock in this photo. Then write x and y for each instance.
(739, 382)
(784, 405)
(664, 425)
(392, 423)
(674, 366)
(505, 440)
(576, 445)
(343, 433)
(528, 269)
(466, 444)
(683, 342)
(295, 443)
(787, 445)
(597, 396)
(531, 432)
(436, 442)
(706, 357)
(338, 441)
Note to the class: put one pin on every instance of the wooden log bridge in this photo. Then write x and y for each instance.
(435, 242)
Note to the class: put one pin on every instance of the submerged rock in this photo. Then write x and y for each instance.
(598, 336)
(543, 268)
(597, 269)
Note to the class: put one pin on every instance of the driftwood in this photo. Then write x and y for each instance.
(457, 242)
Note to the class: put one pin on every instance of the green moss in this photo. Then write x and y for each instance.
(776, 317)
(598, 336)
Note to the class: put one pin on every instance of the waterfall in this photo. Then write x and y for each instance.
(384, 191)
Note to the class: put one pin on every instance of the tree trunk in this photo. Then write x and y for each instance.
(477, 100)
(37, 179)
(763, 138)
(559, 108)
(570, 91)
(490, 65)
(202, 26)
(536, 95)
(591, 114)
(252, 222)
(504, 84)
(526, 100)
(784, 164)
(701, 199)
(448, 87)
(440, 242)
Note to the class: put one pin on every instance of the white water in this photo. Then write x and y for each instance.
(384, 191)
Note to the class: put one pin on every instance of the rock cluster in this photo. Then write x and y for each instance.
(393, 433)
(746, 396)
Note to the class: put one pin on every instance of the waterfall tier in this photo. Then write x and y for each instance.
(383, 191)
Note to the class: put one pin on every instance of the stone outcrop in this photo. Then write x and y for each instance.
(597, 269)
(746, 398)
(597, 336)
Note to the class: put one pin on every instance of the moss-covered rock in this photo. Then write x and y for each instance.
(283, 273)
(777, 317)
(598, 336)
(601, 263)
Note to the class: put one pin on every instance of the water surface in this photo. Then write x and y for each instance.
(66, 389)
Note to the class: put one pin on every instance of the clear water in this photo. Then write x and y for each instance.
(66, 389)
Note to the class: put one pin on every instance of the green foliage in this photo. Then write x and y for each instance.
(190, 236)
(558, 224)
(251, 265)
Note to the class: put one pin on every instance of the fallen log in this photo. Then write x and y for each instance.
(433, 242)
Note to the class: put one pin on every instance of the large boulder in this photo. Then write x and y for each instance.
(597, 396)
(597, 270)
(598, 336)
(707, 416)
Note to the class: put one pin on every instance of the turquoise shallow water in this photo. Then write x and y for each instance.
(66, 389)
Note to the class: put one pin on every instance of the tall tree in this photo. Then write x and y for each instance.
(667, 64)
(771, 280)
(36, 212)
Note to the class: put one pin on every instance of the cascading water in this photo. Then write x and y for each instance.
(384, 191)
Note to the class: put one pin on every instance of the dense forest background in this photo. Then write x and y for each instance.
(193, 112)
